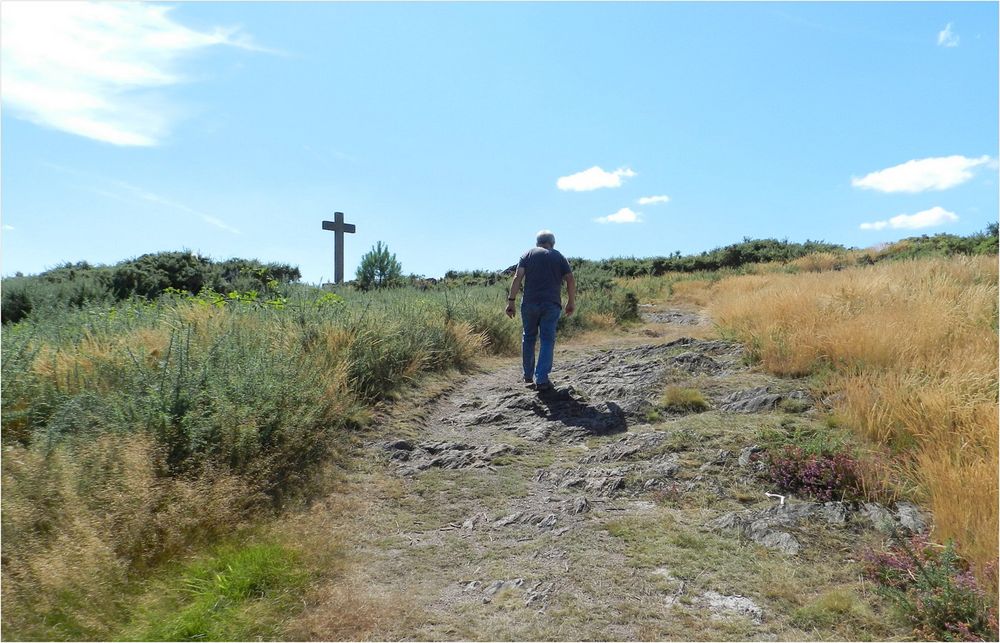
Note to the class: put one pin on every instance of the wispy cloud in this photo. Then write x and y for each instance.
(593, 179)
(87, 68)
(947, 37)
(625, 215)
(132, 194)
(652, 200)
(8, 227)
(937, 173)
(152, 197)
(936, 216)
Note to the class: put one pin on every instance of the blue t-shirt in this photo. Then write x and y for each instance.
(544, 270)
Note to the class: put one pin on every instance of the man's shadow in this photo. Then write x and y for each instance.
(560, 405)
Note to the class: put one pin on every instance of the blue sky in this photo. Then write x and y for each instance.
(454, 131)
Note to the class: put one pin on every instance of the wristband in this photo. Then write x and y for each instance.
(515, 299)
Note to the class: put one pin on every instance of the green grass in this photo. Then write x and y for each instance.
(655, 541)
(240, 593)
(830, 609)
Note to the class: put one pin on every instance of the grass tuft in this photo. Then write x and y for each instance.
(241, 593)
(683, 400)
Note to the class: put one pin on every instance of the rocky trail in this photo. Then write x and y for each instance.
(592, 512)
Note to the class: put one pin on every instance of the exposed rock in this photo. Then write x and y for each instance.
(780, 541)
(910, 517)
(548, 522)
(538, 593)
(600, 480)
(665, 468)
(731, 520)
(496, 586)
(722, 456)
(403, 445)
(508, 519)
(835, 513)
(747, 453)
(693, 362)
(541, 520)
(471, 523)
(721, 605)
(580, 505)
(878, 515)
(768, 527)
(445, 455)
(754, 400)
(672, 317)
(627, 447)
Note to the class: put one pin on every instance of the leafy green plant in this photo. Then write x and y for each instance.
(934, 590)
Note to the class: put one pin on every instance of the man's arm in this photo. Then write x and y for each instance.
(570, 293)
(515, 287)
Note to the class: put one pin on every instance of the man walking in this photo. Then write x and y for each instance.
(543, 270)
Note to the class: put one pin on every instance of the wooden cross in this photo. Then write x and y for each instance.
(339, 228)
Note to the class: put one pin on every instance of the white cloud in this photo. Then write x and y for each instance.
(593, 179)
(947, 37)
(936, 216)
(651, 200)
(625, 215)
(937, 173)
(8, 227)
(86, 67)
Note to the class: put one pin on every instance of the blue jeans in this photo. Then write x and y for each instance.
(539, 319)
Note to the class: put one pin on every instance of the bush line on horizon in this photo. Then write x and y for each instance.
(79, 284)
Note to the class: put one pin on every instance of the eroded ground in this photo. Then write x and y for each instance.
(592, 513)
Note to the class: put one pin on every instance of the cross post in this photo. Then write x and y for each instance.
(339, 228)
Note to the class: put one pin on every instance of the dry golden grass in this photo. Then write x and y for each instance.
(693, 291)
(85, 365)
(822, 261)
(912, 346)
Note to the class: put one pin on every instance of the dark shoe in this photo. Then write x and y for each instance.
(544, 386)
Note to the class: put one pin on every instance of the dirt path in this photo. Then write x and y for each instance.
(593, 512)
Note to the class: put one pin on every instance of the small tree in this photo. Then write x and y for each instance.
(379, 269)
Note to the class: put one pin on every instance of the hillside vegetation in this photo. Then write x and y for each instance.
(158, 408)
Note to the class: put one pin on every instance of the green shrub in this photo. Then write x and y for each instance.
(80, 285)
(379, 269)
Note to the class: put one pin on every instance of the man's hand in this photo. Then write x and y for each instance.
(510, 310)
(570, 307)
